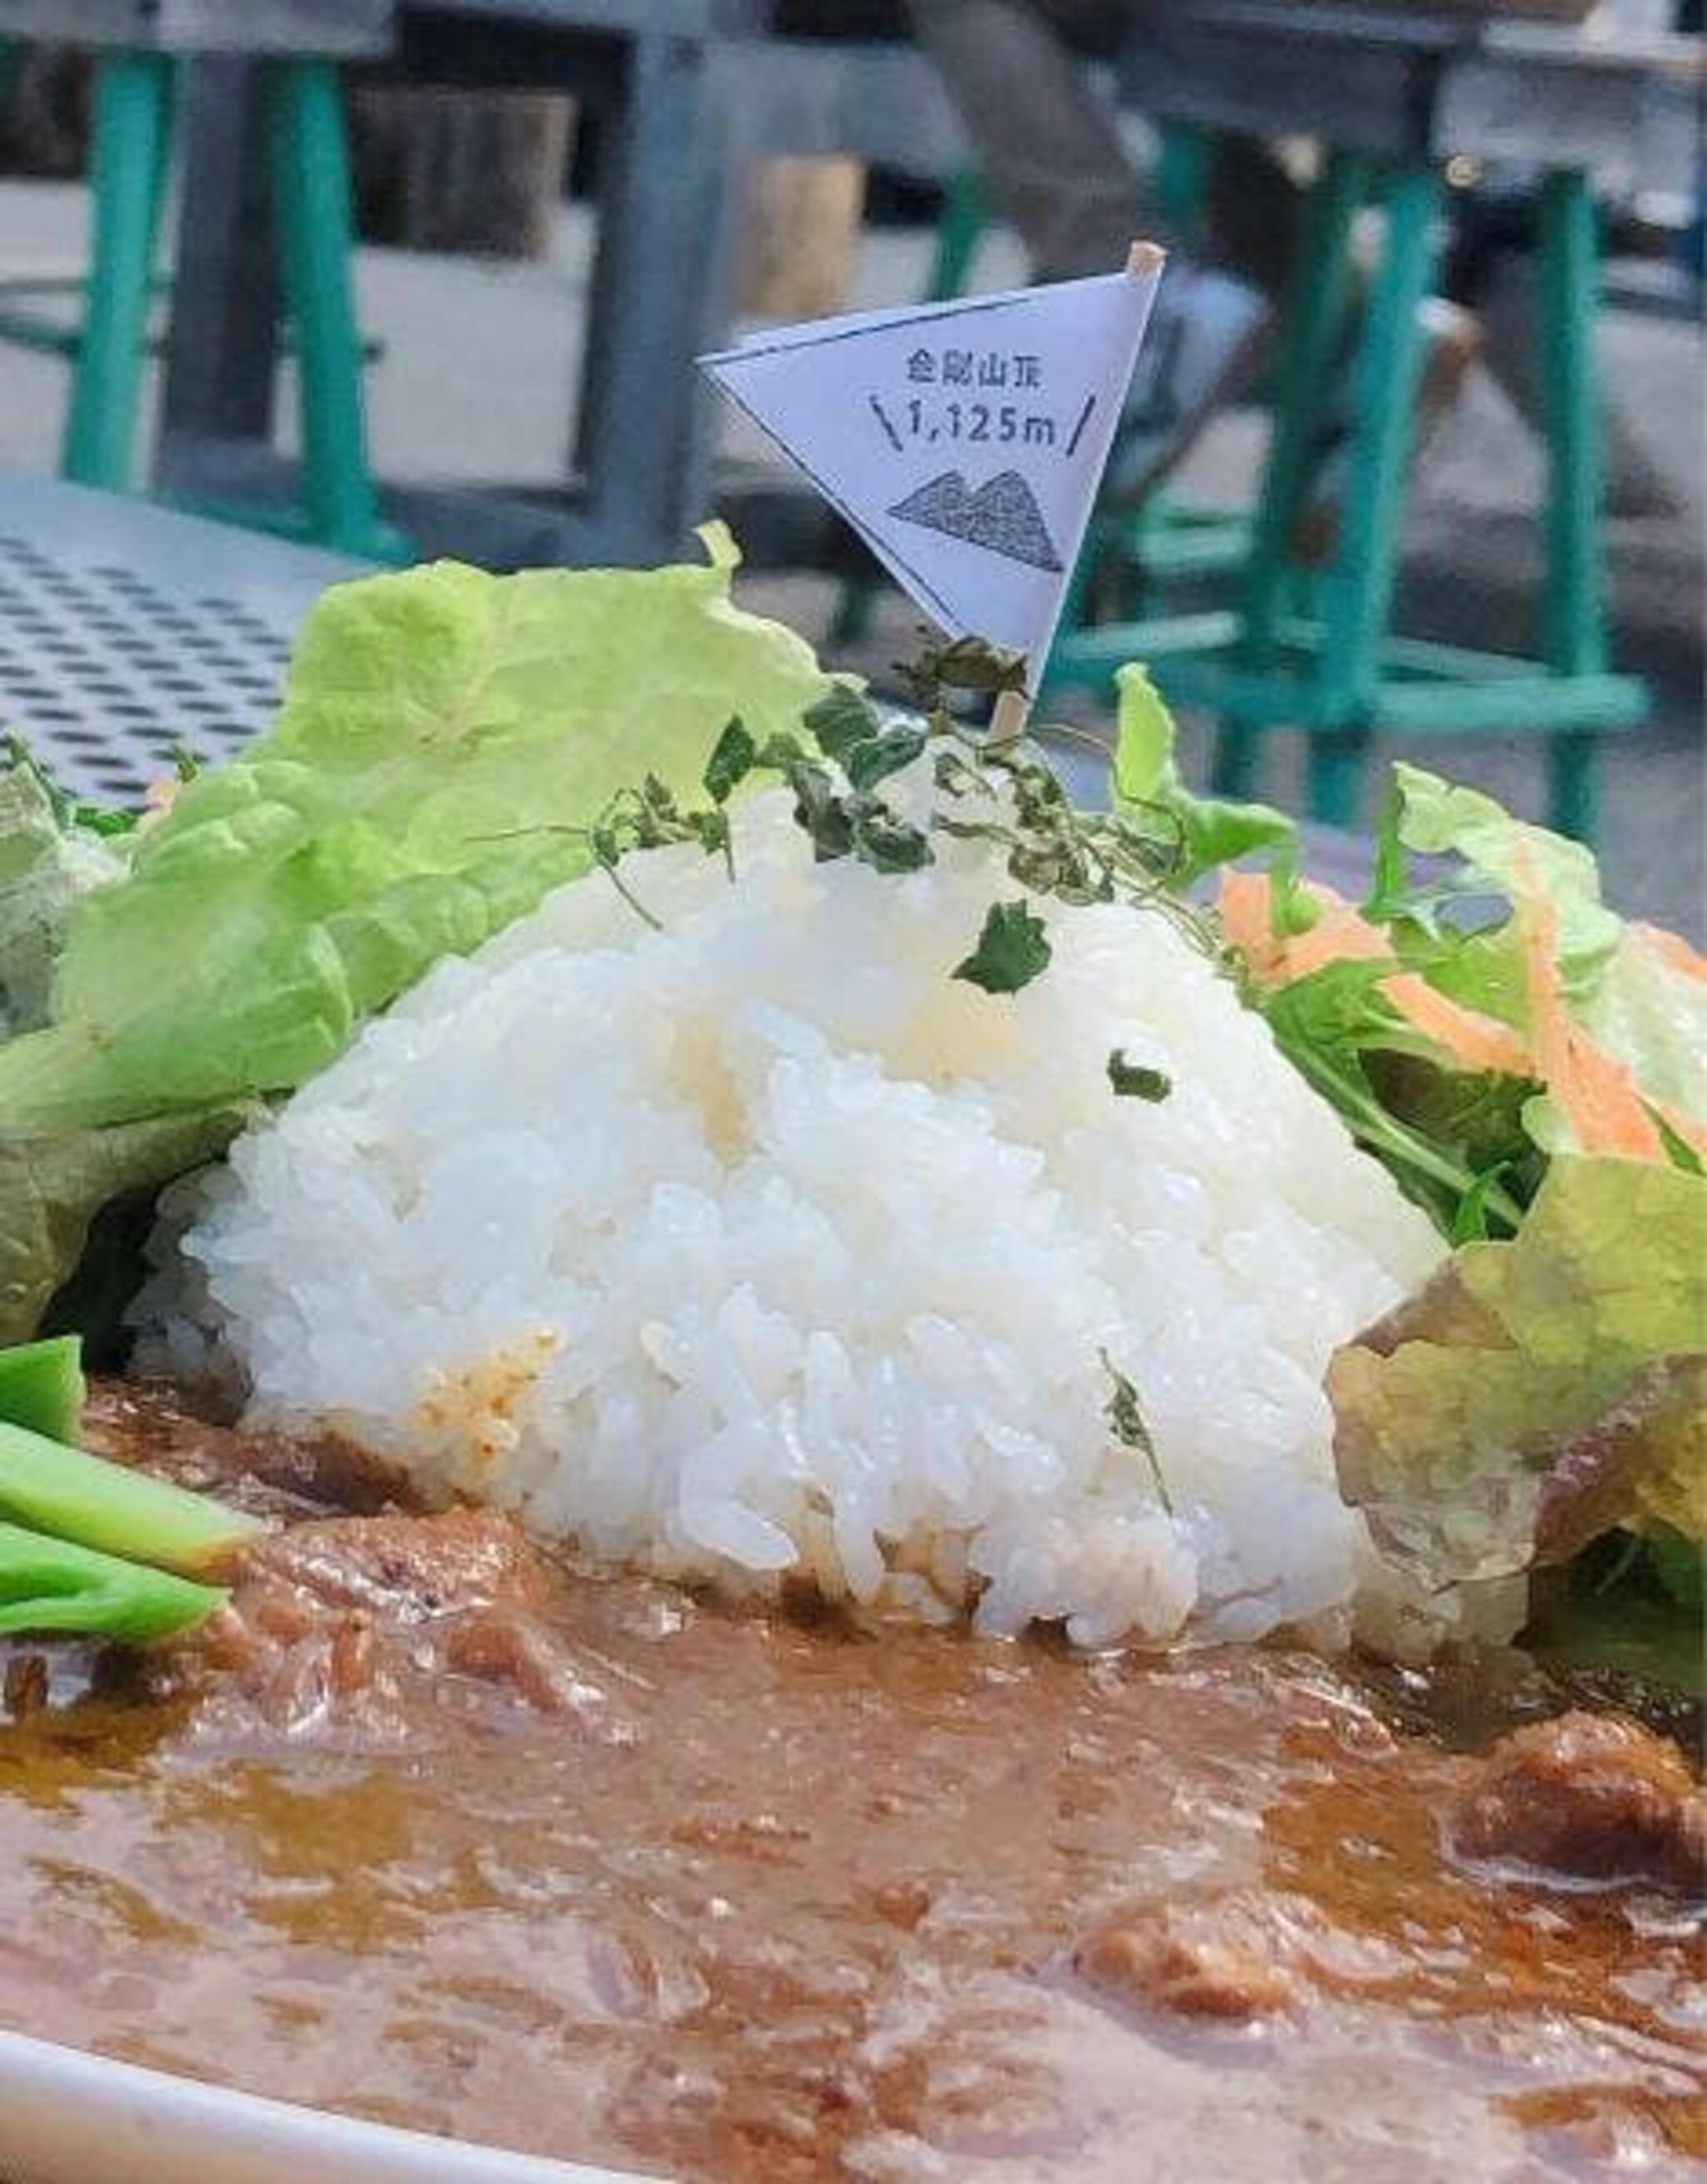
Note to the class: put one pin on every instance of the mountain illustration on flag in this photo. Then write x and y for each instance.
(1002, 516)
(964, 441)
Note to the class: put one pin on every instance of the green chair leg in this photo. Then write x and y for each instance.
(1313, 325)
(1334, 791)
(965, 219)
(1183, 168)
(1358, 595)
(1314, 320)
(311, 193)
(129, 148)
(1576, 606)
(1574, 785)
(1233, 762)
(855, 609)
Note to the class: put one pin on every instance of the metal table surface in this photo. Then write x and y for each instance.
(127, 631)
(686, 96)
(1409, 85)
(327, 28)
(635, 478)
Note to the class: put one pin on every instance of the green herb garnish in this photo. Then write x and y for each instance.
(1132, 1080)
(1125, 1417)
(730, 761)
(1012, 950)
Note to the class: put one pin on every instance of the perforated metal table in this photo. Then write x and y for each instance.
(127, 631)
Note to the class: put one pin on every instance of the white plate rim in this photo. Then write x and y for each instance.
(74, 2117)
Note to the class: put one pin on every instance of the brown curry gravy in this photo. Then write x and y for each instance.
(584, 1867)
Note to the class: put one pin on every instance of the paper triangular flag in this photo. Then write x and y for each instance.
(964, 442)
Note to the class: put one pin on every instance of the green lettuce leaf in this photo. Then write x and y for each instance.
(1541, 1391)
(1651, 1012)
(445, 739)
(1147, 780)
(53, 1184)
(448, 738)
(46, 866)
(1332, 1025)
(1510, 857)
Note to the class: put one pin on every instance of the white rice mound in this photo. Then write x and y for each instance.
(760, 1244)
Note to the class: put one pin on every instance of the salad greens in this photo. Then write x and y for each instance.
(53, 1184)
(48, 861)
(1510, 972)
(445, 739)
(1540, 1391)
(451, 745)
(1529, 1067)
(95, 1547)
(1146, 778)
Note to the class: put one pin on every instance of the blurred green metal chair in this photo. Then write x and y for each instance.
(1303, 648)
(1338, 673)
(131, 152)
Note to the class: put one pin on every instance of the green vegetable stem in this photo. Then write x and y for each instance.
(41, 1387)
(50, 1584)
(106, 1506)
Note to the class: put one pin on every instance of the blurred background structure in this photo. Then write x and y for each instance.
(400, 277)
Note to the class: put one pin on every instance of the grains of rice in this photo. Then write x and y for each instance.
(759, 1243)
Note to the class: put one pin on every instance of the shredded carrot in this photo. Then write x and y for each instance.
(1591, 1088)
(1478, 1041)
(1672, 949)
(1246, 905)
(1342, 935)
(1595, 1091)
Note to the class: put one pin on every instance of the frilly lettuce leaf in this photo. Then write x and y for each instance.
(1649, 1008)
(45, 867)
(1511, 857)
(444, 738)
(53, 1184)
(1146, 777)
(447, 739)
(1541, 1391)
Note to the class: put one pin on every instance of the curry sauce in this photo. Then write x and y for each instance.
(429, 1829)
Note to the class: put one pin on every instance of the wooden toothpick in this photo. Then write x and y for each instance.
(1012, 709)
